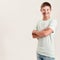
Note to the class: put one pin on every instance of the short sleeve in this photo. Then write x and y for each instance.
(53, 25)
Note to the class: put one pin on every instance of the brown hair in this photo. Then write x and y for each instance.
(46, 4)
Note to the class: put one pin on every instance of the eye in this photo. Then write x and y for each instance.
(43, 9)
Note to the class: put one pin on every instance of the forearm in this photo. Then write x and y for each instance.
(43, 33)
(37, 34)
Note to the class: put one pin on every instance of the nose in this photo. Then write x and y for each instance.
(45, 11)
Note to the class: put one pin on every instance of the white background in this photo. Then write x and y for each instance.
(17, 20)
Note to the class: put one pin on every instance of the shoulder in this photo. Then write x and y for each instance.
(54, 21)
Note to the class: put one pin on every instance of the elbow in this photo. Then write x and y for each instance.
(33, 36)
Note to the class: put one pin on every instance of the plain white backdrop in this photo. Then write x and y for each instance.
(17, 20)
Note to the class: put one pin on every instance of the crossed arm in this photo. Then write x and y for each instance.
(43, 33)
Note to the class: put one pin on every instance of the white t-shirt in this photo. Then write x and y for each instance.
(46, 44)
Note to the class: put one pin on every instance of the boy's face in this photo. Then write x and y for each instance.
(46, 10)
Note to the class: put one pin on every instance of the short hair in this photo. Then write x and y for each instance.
(46, 4)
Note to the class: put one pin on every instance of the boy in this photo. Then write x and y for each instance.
(45, 33)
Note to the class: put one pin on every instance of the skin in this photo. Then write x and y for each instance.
(45, 32)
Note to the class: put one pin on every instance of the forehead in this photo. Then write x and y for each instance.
(45, 7)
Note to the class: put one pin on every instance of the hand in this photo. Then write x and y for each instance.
(34, 32)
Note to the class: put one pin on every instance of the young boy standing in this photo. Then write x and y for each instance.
(45, 33)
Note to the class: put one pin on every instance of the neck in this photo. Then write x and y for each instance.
(46, 18)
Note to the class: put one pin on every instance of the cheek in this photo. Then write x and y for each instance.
(48, 12)
(43, 12)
